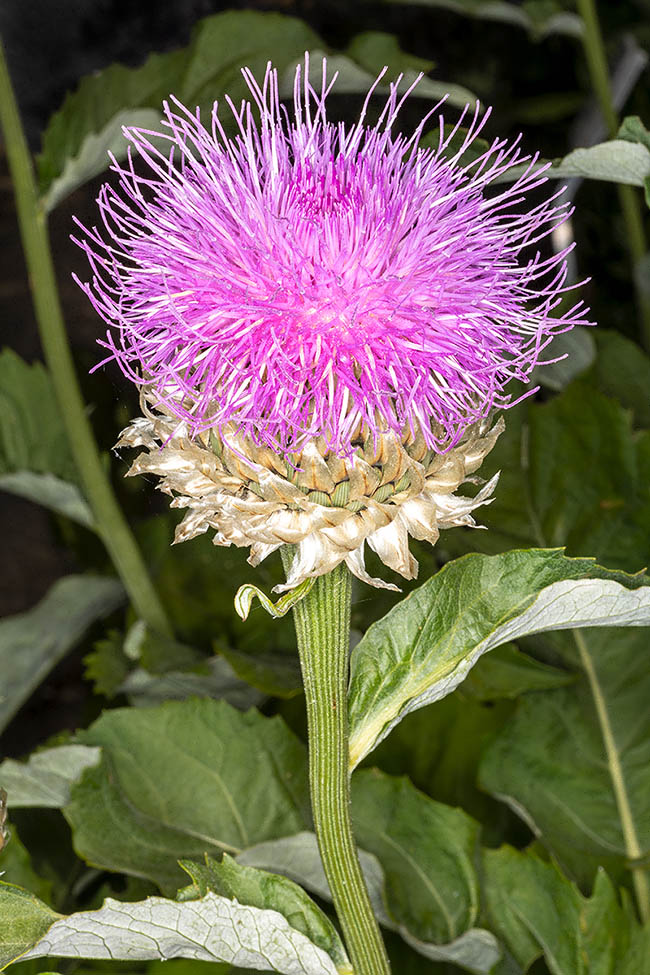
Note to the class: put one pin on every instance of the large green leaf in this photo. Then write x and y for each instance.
(213, 928)
(537, 912)
(575, 762)
(89, 124)
(539, 17)
(35, 459)
(45, 779)
(574, 473)
(418, 857)
(183, 779)
(264, 890)
(32, 643)
(427, 644)
(621, 370)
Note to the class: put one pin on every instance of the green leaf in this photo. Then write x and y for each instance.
(45, 779)
(621, 371)
(275, 674)
(183, 779)
(476, 950)
(578, 347)
(440, 748)
(426, 851)
(551, 763)
(427, 644)
(632, 129)
(16, 866)
(59, 496)
(89, 123)
(537, 912)
(214, 928)
(507, 672)
(264, 890)
(32, 643)
(24, 920)
(574, 473)
(417, 856)
(373, 50)
(615, 161)
(35, 459)
(540, 18)
(215, 679)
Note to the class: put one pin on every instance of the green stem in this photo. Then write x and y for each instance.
(322, 620)
(630, 838)
(629, 200)
(110, 522)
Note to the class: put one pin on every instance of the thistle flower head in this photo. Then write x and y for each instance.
(304, 282)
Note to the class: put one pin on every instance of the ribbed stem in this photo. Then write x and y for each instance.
(111, 524)
(322, 622)
(628, 197)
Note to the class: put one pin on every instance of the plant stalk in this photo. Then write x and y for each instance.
(594, 48)
(322, 620)
(109, 519)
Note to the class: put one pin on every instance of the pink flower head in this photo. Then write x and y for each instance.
(302, 277)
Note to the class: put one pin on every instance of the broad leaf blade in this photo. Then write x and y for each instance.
(263, 890)
(536, 911)
(35, 458)
(32, 643)
(427, 644)
(550, 762)
(417, 856)
(45, 780)
(91, 118)
(213, 928)
(183, 779)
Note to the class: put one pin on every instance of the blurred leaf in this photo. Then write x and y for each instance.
(427, 644)
(183, 779)
(60, 496)
(35, 459)
(507, 672)
(552, 765)
(373, 50)
(215, 678)
(45, 779)
(32, 643)
(213, 928)
(537, 912)
(16, 867)
(107, 666)
(578, 347)
(625, 159)
(263, 890)
(274, 674)
(32, 435)
(621, 370)
(574, 473)
(539, 17)
(89, 123)
(616, 161)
